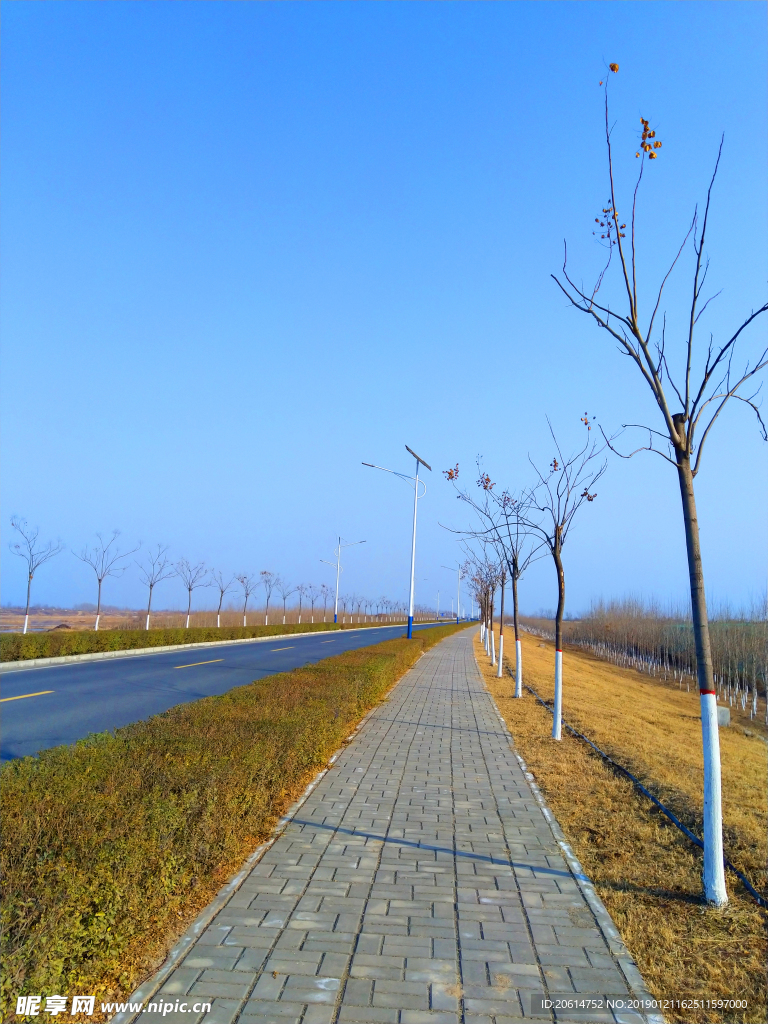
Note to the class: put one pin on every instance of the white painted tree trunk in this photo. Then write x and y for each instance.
(218, 621)
(96, 626)
(518, 668)
(187, 625)
(493, 648)
(557, 718)
(245, 620)
(26, 623)
(714, 869)
(501, 656)
(147, 625)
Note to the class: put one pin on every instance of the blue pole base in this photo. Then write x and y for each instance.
(410, 627)
(335, 617)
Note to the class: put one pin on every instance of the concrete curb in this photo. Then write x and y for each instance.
(138, 652)
(603, 919)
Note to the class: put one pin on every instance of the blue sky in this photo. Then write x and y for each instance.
(248, 246)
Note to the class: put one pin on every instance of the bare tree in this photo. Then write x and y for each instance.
(33, 555)
(690, 399)
(192, 576)
(285, 589)
(312, 593)
(557, 497)
(301, 590)
(485, 574)
(269, 581)
(502, 520)
(248, 583)
(326, 592)
(222, 583)
(105, 561)
(155, 568)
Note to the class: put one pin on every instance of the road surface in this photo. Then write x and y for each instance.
(44, 707)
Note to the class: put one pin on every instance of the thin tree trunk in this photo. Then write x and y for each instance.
(714, 870)
(501, 629)
(26, 612)
(490, 619)
(189, 609)
(149, 604)
(98, 608)
(557, 717)
(518, 642)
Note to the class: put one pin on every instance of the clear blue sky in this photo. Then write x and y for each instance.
(248, 245)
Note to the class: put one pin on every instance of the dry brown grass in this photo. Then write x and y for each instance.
(647, 873)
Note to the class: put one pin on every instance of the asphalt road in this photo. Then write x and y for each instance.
(64, 703)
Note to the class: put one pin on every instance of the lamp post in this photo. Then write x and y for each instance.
(339, 570)
(404, 476)
(458, 587)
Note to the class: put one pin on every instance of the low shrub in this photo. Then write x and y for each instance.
(111, 846)
(24, 646)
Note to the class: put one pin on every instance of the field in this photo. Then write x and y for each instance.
(647, 873)
(44, 619)
(110, 847)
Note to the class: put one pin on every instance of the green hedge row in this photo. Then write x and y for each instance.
(22, 647)
(111, 846)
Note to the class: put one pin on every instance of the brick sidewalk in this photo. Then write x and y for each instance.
(420, 883)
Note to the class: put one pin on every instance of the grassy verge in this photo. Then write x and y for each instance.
(23, 647)
(646, 872)
(111, 847)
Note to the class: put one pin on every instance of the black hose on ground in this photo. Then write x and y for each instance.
(761, 900)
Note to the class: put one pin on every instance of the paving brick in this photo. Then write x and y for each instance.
(258, 1011)
(368, 1014)
(180, 982)
(223, 1011)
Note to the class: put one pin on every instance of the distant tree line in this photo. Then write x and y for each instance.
(107, 560)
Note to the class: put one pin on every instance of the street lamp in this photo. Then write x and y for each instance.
(458, 587)
(404, 476)
(339, 570)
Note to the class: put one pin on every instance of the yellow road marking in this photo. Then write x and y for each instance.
(194, 663)
(281, 649)
(23, 695)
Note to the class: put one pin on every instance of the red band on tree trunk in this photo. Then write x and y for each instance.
(704, 693)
